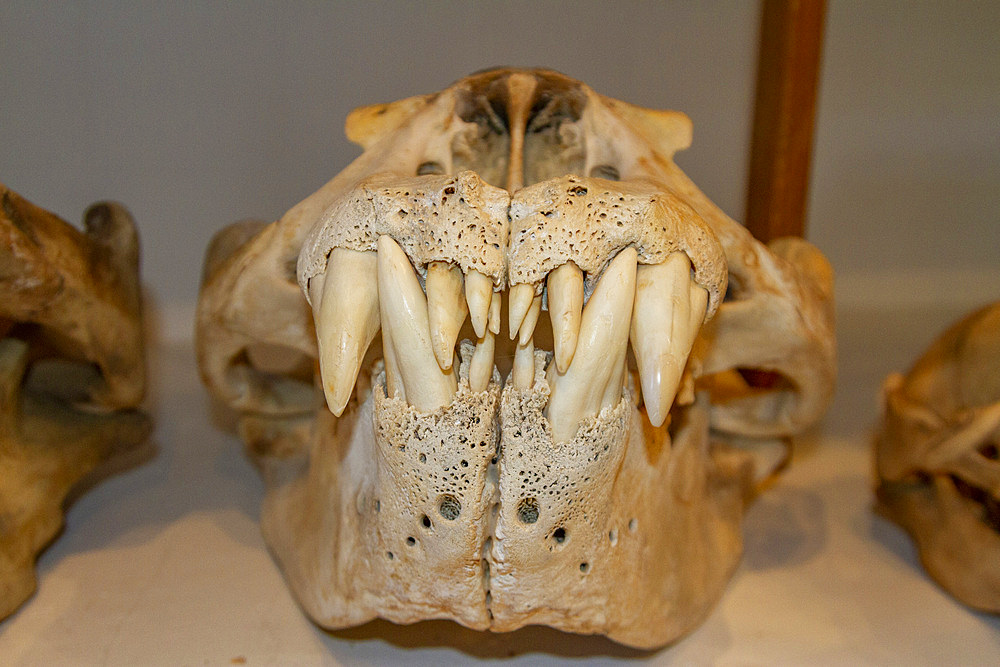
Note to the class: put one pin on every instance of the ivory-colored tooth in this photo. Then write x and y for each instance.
(446, 309)
(530, 320)
(494, 320)
(666, 317)
(346, 314)
(580, 392)
(404, 316)
(393, 382)
(518, 304)
(479, 295)
(523, 373)
(481, 366)
(565, 292)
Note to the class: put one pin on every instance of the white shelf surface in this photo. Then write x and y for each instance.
(164, 563)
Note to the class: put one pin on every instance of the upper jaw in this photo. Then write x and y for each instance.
(427, 259)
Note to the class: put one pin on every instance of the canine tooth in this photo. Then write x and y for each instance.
(666, 317)
(404, 316)
(346, 313)
(519, 301)
(393, 382)
(494, 320)
(523, 374)
(481, 366)
(478, 294)
(565, 291)
(530, 320)
(446, 309)
(580, 392)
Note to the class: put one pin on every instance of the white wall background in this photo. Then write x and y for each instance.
(198, 114)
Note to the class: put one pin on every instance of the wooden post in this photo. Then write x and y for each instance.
(791, 39)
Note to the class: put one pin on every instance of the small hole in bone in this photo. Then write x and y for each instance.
(426, 520)
(579, 191)
(411, 541)
(527, 510)
(990, 451)
(449, 507)
(605, 171)
(585, 567)
(450, 190)
(390, 555)
(633, 525)
(465, 464)
(423, 458)
(429, 167)
(378, 505)
(613, 536)
(559, 535)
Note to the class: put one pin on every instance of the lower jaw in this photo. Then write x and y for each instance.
(473, 513)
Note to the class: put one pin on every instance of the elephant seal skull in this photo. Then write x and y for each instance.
(434, 446)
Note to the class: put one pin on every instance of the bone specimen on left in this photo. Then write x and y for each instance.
(72, 369)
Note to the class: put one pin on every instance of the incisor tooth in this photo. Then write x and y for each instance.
(582, 390)
(404, 316)
(481, 366)
(494, 321)
(565, 292)
(666, 317)
(346, 312)
(446, 309)
(523, 374)
(478, 294)
(530, 320)
(518, 303)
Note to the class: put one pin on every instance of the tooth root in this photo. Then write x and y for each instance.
(479, 295)
(565, 292)
(404, 323)
(521, 296)
(481, 366)
(446, 309)
(530, 320)
(666, 317)
(597, 366)
(494, 320)
(523, 373)
(346, 313)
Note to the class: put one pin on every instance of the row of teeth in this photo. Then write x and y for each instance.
(658, 307)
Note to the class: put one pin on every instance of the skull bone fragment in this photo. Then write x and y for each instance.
(434, 445)
(937, 457)
(72, 370)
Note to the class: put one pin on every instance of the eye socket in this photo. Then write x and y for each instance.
(429, 168)
(605, 171)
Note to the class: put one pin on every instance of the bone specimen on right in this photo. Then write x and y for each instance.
(422, 463)
(938, 457)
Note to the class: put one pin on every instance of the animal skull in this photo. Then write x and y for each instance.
(537, 476)
(937, 458)
(71, 369)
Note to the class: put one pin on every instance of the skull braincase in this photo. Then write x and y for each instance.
(937, 457)
(422, 464)
(71, 369)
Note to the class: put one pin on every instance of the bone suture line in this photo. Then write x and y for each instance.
(346, 313)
